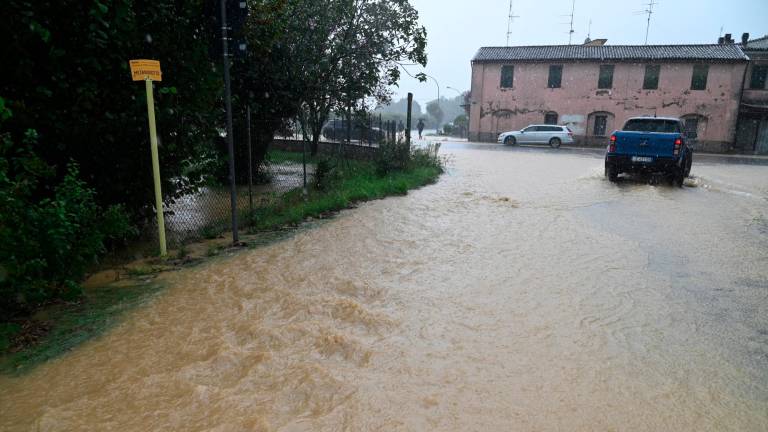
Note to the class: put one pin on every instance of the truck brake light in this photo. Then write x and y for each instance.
(678, 144)
(612, 145)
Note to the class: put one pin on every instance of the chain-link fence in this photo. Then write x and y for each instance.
(206, 212)
(365, 129)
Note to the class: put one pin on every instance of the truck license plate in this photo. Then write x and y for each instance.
(643, 159)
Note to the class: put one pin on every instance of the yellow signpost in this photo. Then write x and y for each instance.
(148, 71)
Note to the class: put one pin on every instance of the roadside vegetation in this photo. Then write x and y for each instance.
(75, 171)
(338, 184)
(69, 315)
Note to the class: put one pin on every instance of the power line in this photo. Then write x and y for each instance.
(512, 17)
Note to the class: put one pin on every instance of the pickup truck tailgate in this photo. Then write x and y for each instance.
(646, 144)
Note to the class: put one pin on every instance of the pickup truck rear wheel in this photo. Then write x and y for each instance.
(688, 164)
(612, 173)
(678, 176)
(510, 141)
(555, 143)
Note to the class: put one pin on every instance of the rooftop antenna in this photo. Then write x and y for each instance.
(512, 17)
(649, 12)
(571, 32)
(589, 30)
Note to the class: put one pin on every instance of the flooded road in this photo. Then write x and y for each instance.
(521, 292)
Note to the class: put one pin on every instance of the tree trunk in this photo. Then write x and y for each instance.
(316, 131)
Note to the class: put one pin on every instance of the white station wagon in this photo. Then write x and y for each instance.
(538, 134)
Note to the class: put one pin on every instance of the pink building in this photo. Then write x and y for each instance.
(752, 130)
(593, 89)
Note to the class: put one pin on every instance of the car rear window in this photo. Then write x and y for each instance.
(652, 125)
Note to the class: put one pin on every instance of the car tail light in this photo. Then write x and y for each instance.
(678, 145)
(612, 145)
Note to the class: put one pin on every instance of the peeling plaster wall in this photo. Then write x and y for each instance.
(495, 110)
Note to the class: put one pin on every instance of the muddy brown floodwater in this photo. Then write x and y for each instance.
(521, 292)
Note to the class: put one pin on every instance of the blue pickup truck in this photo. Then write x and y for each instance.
(650, 145)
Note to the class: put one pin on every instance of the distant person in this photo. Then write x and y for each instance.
(420, 126)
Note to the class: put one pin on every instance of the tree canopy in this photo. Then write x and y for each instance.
(71, 84)
(341, 52)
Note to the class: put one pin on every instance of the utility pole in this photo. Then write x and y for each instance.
(228, 105)
(438, 92)
(512, 17)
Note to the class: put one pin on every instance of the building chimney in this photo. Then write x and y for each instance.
(720, 40)
(728, 38)
(744, 39)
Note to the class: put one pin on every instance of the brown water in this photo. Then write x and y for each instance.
(522, 292)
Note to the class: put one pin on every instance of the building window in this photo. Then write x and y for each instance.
(691, 126)
(555, 76)
(759, 75)
(550, 118)
(601, 124)
(699, 78)
(605, 81)
(651, 81)
(507, 76)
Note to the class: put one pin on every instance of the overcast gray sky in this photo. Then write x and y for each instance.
(457, 28)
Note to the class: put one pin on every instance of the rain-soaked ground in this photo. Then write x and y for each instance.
(521, 292)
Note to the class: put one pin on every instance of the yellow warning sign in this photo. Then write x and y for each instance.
(143, 70)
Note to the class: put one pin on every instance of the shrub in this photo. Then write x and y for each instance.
(50, 232)
(325, 173)
(427, 157)
(392, 156)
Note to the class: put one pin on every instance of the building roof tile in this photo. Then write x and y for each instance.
(716, 52)
(758, 44)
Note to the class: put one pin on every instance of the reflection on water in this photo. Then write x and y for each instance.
(522, 292)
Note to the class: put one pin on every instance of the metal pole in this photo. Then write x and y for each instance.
(408, 122)
(230, 138)
(437, 84)
(304, 163)
(156, 167)
(250, 161)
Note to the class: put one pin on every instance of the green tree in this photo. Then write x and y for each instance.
(343, 51)
(71, 83)
(436, 112)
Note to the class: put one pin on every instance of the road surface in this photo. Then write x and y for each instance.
(521, 292)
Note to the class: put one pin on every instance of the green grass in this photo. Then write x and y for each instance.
(277, 156)
(7, 332)
(73, 324)
(358, 182)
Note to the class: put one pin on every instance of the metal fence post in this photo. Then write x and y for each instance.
(408, 122)
(230, 139)
(250, 161)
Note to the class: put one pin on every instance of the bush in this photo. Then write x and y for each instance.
(50, 232)
(325, 174)
(392, 156)
(427, 157)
